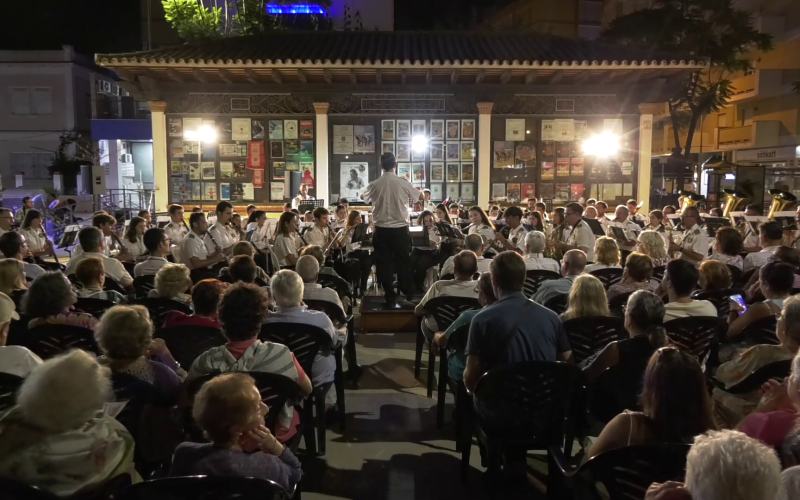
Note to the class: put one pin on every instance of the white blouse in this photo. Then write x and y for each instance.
(285, 246)
(135, 249)
(485, 231)
(261, 236)
(35, 238)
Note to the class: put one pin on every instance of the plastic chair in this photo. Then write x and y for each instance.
(697, 334)
(47, 341)
(95, 307)
(590, 334)
(720, 299)
(159, 306)
(521, 406)
(444, 310)
(617, 389)
(736, 274)
(456, 343)
(746, 276)
(762, 331)
(534, 279)
(112, 285)
(777, 370)
(658, 273)
(143, 285)
(205, 487)
(558, 304)
(305, 341)
(186, 343)
(616, 304)
(448, 276)
(9, 385)
(609, 277)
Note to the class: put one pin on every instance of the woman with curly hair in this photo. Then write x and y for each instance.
(606, 254)
(12, 279)
(49, 301)
(172, 281)
(654, 246)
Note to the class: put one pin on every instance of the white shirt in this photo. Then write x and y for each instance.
(149, 266)
(447, 288)
(192, 246)
(631, 230)
(20, 215)
(32, 271)
(483, 265)
(221, 235)
(135, 249)
(176, 232)
(299, 199)
(517, 238)
(696, 240)
(430, 206)
(485, 231)
(675, 310)
(315, 291)
(751, 238)
(536, 261)
(319, 237)
(581, 236)
(758, 259)
(35, 239)
(260, 237)
(18, 360)
(285, 246)
(113, 267)
(389, 196)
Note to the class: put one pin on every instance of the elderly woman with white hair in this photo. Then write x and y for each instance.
(172, 281)
(57, 438)
(652, 244)
(535, 242)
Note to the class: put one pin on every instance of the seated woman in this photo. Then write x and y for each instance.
(57, 437)
(172, 282)
(49, 301)
(644, 316)
(206, 295)
(776, 281)
(714, 275)
(230, 412)
(92, 275)
(728, 244)
(586, 298)
(287, 241)
(245, 248)
(785, 255)
(133, 240)
(606, 255)
(125, 335)
(654, 246)
(675, 404)
(535, 221)
(636, 276)
(535, 242)
(12, 280)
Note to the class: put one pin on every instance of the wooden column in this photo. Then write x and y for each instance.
(484, 152)
(160, 159)
(321, 182)
(644, 178)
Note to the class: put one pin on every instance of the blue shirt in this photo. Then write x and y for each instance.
(516, 329)
(457, 362)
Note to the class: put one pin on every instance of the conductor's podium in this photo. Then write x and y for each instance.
(377, 318)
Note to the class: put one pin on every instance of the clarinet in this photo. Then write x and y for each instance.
(216, 245)
(47, 240)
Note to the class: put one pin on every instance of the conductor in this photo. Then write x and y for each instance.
(389, 196)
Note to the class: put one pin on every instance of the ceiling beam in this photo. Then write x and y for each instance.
(454, 77)
(175, 75)
(531, 76)
(480, 76)
(126, 75)
(353, 77)
(557, 76)
(403, 76)
(429, 77)
(225, 75)
(378, 76)
(251, 76)
(200, 75)
(327, 76)
(276, 76)
(301, 75)
(505, 76)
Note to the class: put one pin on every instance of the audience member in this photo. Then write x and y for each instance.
(13, 246)
(587, 298)
(14, 359)
(308, 269)
(572, 265)
(513, 329)
(158, 247)
(206, 296)
(12, 279)
(785, 255)
(771, 237)
(475, 244)
(636, 276)
(652, 244)
(465, 265)
(714, 275)
(92, 276)
(776, 280)
(679, 281)
(791, 482)
(243, 269)
(93, 245)
(319, 254)
(230, 412)
(57, 437)
(606, 254)
(535, 242)
(728, 244)
(172, 282)
(49, 301)
(245, 248)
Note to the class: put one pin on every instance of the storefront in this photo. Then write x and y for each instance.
(470, 116)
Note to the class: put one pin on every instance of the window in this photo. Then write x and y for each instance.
(20, 101)
(42, 101)
(22, 163)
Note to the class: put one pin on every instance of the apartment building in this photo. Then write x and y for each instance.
(567, 18)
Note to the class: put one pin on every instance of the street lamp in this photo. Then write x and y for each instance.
(604, 144)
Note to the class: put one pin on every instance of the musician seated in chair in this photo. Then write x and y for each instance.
(92, 275)
(771, 241)
(693, 247)
(105, 223)
(752, 240)
(218, 237)
(320, 234)
(39, 246)
(516, 234)
(132, 241)
(177, 228)
(6, 220)
(158, 247)
(93, 243)
(195, 254)
(12, 245)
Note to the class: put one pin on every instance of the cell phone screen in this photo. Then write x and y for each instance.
(739, 300)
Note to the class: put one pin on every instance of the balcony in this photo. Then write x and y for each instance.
(664, 142)
(760, 134)
(760, 83)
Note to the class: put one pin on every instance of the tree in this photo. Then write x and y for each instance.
(702, 30)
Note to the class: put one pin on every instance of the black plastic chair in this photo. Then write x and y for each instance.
(143, 285)
(95, 307)
(534, 279)
(138, 394)
(617, 303)
(340, 319)
(608, 277)
(762, 331)
(186, 343)
(456, 343)
(746, 276)
(777, 370)
(590, 334)
(205, 488)
(444, 311)
(17, 490)
(736, 274)
(448, 276)
(9, 385)
(111, 284)
(720, 299)
(658, 273)
(159, 306)
(616, 389)
(521, 406)
(305, 341)
(337, 283)
(625, 473)
(697, 335)
(558, 304)
(18, 331)
(47, 341)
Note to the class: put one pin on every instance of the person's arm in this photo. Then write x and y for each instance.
(563, 349)
(431, 293)
(198, 263)
(753, 314)
(473, 371)
(608, 357)
(614, 435)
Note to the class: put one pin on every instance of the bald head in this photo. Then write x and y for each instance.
(308, 268)
(474, 243)
(574, 262)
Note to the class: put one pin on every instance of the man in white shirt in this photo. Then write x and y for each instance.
(158, 246)
(195, 254)
(427, 204)
(752, 240)
(580, 236)
(630, 228)
(6, 220)
(105, 223)
(601, 208)
(465, 265)
(694, 245)
(177, 229)
(12, 246)
(679, 281)
(93, 243)
(771, 240)
(389, 196)
(516, 235)
(633, 208)
(27, 204)
(535, 241)
(308, 268)
(218, 237)
(319, 234)
(572, 265)
(301, 197)
(473, 243)
(14, 359)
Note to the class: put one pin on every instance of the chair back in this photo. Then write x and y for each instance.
(658, 272)
(777, 370)
(627, 472)
(305, 341)
(458, 339)
(696, 334)
(47, 341)
(186, 343)
(143, 284)
(448, 276)
(591, 334)
(610, 276)
(18, 331)
(558, 304)
(337, 283)
(205, 488)
(9, 385)
(17, 490)
(736, 274)
(749, 274)
(720, 299)
(330, 309)
(617, 389)
(137, 393)
(445, 310)
(95, 307)
(616, 304)
(763, 331)
(159, 306)
(534, 279)
(111, 284)
(526, 402)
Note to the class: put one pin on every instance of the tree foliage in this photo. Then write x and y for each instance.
(713, 31)
(192, 20)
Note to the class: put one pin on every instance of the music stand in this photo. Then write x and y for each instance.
(619, 234)
(787, 219)
(419, 236)
(755, 220)
(449, 231)
(162, 221)
(737, 217)
(360, 233)
(714, 223)
(69, 237)
(307, 205)
(674, 221)
(595, 225)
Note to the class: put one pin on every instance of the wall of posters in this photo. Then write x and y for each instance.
(387, 130)
(354, 178)
(387, 147)
(342, 139)
(548, 130)
(453, 191)
(436, 191)
(467, 193)
(565, 130)
(498, 191)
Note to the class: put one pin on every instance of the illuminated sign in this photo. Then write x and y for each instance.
(300, 8)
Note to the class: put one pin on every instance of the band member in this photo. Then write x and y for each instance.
(195, 254)
(218, 237)
(262, 235)
(354, 251)
(250, 210)
(287, 207)
(427, 204)
(301, 196)
(601, 208)
(669, 210)
(752, 240)
(105, 223)
(494, 211)
(32, 230)
(771, 240)
(535, 222)
(346, 204)
(197, 210)
(235, 228)
(590, 202)
(423, 258)
(6, 220)
(656, 222)
(589, 212)
(633, 208)
(177, 228)
(27, 204)
(694, 244)
(631, 230)
(483, 226)
(532, 204)
(287, 243)
(516, 234)
(148, 218)
(341, 217)
(319, 234)
(580, 235)
(389, 195)
(133, 238)
(542, 209)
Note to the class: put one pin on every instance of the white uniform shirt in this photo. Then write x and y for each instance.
(449, 268)
(299, 199)
(135, 249)
(485, 231)
(193, 246)
(389, 196)
(113, 267)
(632, 231)
(517, 238)
(696, 240)
(35, 239)
(221, 235)
(430, 206)
(149, 267)
(317, 236)
(20, 215)
(285, 246)
(176, 232)
(581, 236)
(260, 237)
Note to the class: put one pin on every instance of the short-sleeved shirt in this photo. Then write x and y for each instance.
(192, 246)
(758, 259)
(149, 267)
(447, 288)
(113, 267)
(285, 246)
(515, 329)
(553, 288)
(582, 236)
(537, 261)
(136, 249)
(696, 240)
(389, 195)
(516, 237)
(457, 361)
(221, 235)
(176, 232)
(317, 236)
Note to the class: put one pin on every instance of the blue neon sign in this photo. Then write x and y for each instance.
(300, 8)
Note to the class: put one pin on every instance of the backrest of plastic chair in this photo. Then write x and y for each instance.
(47, 341)
(616, 304)
(445, 310)
(617, 389)
(330, 309)
(608, 277)
(305, 341)
(143, 284)
(204, 488)
(736, 274)
(763, 331)
(337, 283)
(720, 298)
(137, 393)
(627, 472)
(186, 343)
(9, 384)
(658, 272)
(457, 342)
(590, 334)
(558, 304)
(448, 276)
(111, 284)
(696, 334)
(158, 306)
(95, 307)
(777, 370)
(534, 279)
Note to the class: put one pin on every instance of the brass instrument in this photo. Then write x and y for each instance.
(733, 199)
(780, 200)
(690, 199)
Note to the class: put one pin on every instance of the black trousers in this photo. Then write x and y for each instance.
(393, 255)
(365, 264)
(422, 260)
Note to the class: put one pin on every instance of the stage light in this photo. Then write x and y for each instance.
(204, 134)
(419, 143)
(601, 145)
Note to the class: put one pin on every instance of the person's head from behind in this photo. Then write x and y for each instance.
(651, 243)
(64, 392)
(125, 333)
(91, 239)
(788, 327)
(287, 288)
(535, 242)
(243, 269)
(639, 267)
(474, 243)
(771, 233)
(12, 276)
(171, 280)
(388, 162)
(308, 268)
(508, 273)
(573, 263)
(156, 241)
(681, 277)
(728, 241)
(206, 295)
(227, 407)
(48, 295)
(197, 210)
(587, 298)
(606, 251)
(675, 397)
(776, 280)
(485, 291)
(787, 255)
(7, 313)
(91, 272)
(644, 315)
(316, 252)
(12, 245)
(729, 464)
(242, 310)
(287, 207)
(465, 265)
(714, 275)
(242, 248)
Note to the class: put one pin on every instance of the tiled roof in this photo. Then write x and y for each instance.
(373, 48)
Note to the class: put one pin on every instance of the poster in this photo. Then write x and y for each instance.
(528, 191)
(548, 130)
(437, 129)
(453, 151)
(240, 129)
(226, 169)
(576, 192)
(175, 127)
(468, 129)
(197, 190)
(175, 167)
(225, 128)
(237, 192)
(418, 128)
(387, 147)
(467, 172)
(467, 192)
(515, 129)
(453, 173)
(417, 155)
(354, 177)
(276, 129)
(403, 151)
(342, 139)
(404, 171)
(525, 155)
(255, 157)
(176, 151)
(190, 148)
(228, 150)
(418, 172)
(225, 191)
(547, 171)
(563, 149)
(306, 129)
(239, 169)
(503, 154)
(437, 172)
(453, 191)
(293, 166)
(576, 167)
(257, 129)
(258, 178)
(468, 150)
(209, 153)
(561, 194)
(249, 192)
(291, 147)
(306, 149)
(276, 191)
(403, 130)
(452, 131)
(192, 124)
(307, 179)
(290, 129)
(437, 150)
(194, 171)
(276, 149)
(209, 172)
(278, 170)
(581, 130)
(512, 192)
(548, 150)
(387, 130)
(178, 189)
(498, 191)
(436, 191)
(562, 167)
(307, 166)
(364, 136)
(611, 126)
(565, 129)
(210, 191)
